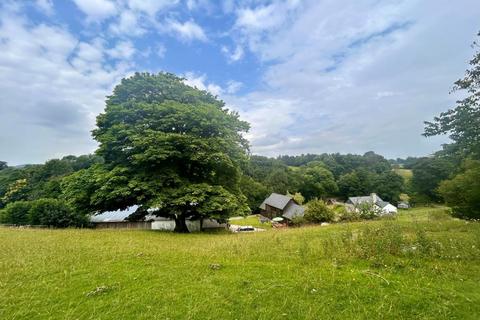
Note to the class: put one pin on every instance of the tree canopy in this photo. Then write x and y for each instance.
(462, 123)
(169, 148)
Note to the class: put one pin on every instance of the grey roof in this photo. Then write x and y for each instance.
(382, 204)
(276, 200)
(293, 210)
(368, 199)
(114, 216)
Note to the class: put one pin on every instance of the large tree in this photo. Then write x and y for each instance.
(427, 175)
(462, 123)
(169, 148)
(317, 181)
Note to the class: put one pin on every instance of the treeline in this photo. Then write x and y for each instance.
(321, 176)
(180, 153)
(33, 194)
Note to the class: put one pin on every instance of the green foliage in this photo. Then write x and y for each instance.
(317, 181)
(201, 200)
(345, 215)
(390, 185)
(317, 211)
(255, 192)
(55, 213)
(297, 197)
(46, 212)
(462, 192)
(40, 181)
(3, 165)
(355, 183)
(427, 175)
(283, 179)
(16, 213)
(168, 147)
(462, 123)
(368, 211)
(15, 191)
(158, 88)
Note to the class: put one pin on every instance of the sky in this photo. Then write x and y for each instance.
(309, 76)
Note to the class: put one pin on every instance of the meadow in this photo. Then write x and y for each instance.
(422, 265)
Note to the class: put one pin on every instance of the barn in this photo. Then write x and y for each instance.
(119, 220)
(279, 205)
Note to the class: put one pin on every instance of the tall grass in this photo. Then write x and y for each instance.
(417, 266)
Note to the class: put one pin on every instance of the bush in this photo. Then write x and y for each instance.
(16, 213)
(368, 211)
(317, 211)
(55, 213)
(462, 192)
(346, 215)
(48, 212)
(298, 221)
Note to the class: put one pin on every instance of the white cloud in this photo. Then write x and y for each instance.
(233, 55)
(127, 24)
(353, 77)
(259, 18)
(46, 6)
(160, 50)
(151, 7)
(187, 31)
(200, 82)
(233, 86)
(122, 50)
(96, 10)
(51, 86)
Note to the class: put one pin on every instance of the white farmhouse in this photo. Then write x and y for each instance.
(373, 199)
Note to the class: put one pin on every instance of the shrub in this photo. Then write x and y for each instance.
(55, 213)
(462, 192)
(317, 211)
(345, 215)
(368, 211)
(16, 213)
(298, 221)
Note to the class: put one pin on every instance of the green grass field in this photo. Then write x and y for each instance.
(251, 221)
(407, 174)
(421, 265)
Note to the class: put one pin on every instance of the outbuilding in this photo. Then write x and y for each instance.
(279, 205)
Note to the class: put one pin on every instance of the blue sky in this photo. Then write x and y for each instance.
(310, 76)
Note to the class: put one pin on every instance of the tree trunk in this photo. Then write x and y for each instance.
(180, 225)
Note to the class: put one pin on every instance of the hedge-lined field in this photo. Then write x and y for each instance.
(421, 265)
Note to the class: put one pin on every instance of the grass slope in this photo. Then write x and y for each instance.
(407, 174)
(422, 265)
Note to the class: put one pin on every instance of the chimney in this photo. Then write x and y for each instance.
(374, 197)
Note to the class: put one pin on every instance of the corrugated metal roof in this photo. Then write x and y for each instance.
(114, 216)
(276, 200)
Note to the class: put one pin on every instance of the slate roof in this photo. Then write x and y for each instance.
(368, 199)
(382, 204)
(276, 200)
(293, 210)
